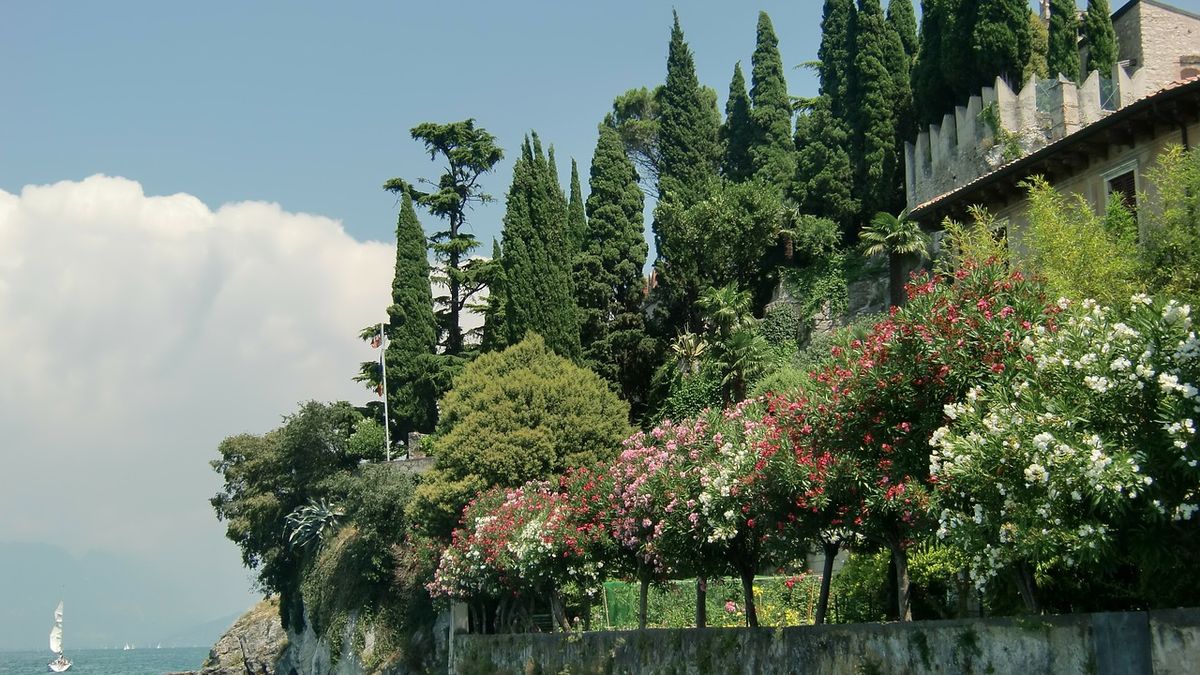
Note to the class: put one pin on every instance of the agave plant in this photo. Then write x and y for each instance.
(308, 525)
(689, 350)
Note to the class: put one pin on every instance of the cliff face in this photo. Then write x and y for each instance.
(253, 644)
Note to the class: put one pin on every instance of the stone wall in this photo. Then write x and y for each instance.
(1161, 642)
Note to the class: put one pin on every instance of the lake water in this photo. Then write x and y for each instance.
(108, 661)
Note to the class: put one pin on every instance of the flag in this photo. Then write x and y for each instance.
(376, 340)
(379, 390)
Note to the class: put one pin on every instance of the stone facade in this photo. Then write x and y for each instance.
(1158, 45)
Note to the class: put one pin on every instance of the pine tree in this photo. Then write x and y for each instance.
(902, 19)
(538, 290)
(608, 274)
(873, 119)
(688, 127)
(735, 132)
(576, 217)
(824, 175)
(772, 150)
(411, 332)
(1062, 57)
(836, 53)
(1002, 43)
(932, 93)
(1101, 38)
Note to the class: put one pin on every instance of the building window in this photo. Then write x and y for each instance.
(1123, 181)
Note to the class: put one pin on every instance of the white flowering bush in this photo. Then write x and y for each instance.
(1086, 456)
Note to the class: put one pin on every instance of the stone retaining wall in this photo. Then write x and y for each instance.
(1160, 642)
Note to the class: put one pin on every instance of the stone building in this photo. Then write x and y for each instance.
(1092, 138)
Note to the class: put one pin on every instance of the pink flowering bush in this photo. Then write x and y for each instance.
(1084, 460)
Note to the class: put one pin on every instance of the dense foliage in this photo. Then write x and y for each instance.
(1063, 54)
(1101, 38)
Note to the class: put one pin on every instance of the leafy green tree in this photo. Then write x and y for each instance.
(608, 274)
(538, 293)
(1101, 38)
(1001, 43)
(469, 153)
(513, 416)
(903, 19)
(835, 54)
(1063, 55)
(873, 119)
(267, 477)
(1173, 250)
(901, 239)
(736, 131)
(635, 116)
(1082, 255)
(411, 333)
(772, 150)
(824, 174)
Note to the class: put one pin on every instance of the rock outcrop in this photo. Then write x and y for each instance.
(253, 644)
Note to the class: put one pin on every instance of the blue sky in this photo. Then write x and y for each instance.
(221, 271)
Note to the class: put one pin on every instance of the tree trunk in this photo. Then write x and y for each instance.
(903, 590)
(896, 264)
(1027, 585)
(831, 551)
(558, 611)
(747, 573)
(643, 594)
(701, 601)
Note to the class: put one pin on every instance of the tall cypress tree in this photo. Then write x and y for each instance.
(772, 149)
(932, 93)
(608, 273)
(899, 65)
(902, 19)
(538, 289)
(495, 332)
(836, 54)
(689, 156)
(736, 132)
(1002, 42)
(411, 333)
(576, 217)
(873, 120)
(1062, 58)
(688, 127)
(824, 175)
(1101, 38)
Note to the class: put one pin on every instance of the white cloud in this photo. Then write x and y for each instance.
(138, 331)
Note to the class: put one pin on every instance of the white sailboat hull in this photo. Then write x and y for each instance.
(59, 666)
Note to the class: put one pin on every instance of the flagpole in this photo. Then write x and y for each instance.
(387, 427)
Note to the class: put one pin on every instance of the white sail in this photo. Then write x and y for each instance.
(56, 639)
(56, 631)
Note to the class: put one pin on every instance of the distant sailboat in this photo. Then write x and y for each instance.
(127, 647)
(60, 664)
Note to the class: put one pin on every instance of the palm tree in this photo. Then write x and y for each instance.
(901, 239)
(725, 309)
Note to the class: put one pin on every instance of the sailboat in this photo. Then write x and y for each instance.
(60, 664)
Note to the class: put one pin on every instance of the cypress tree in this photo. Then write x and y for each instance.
(835, 53)
(824, 175)
(495, 332)
(1101, 38)
(873, 121)
(689, 156)
(958, 48)
(903, 20)
(1002, 43)
(608, 273)
(576, 218)
(899, 65)
(1062, 57)
(1039, 54)
(411, 332)
(538, 290)
(735, 132)
(688, 127)
(931, 90)
(772, 149)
